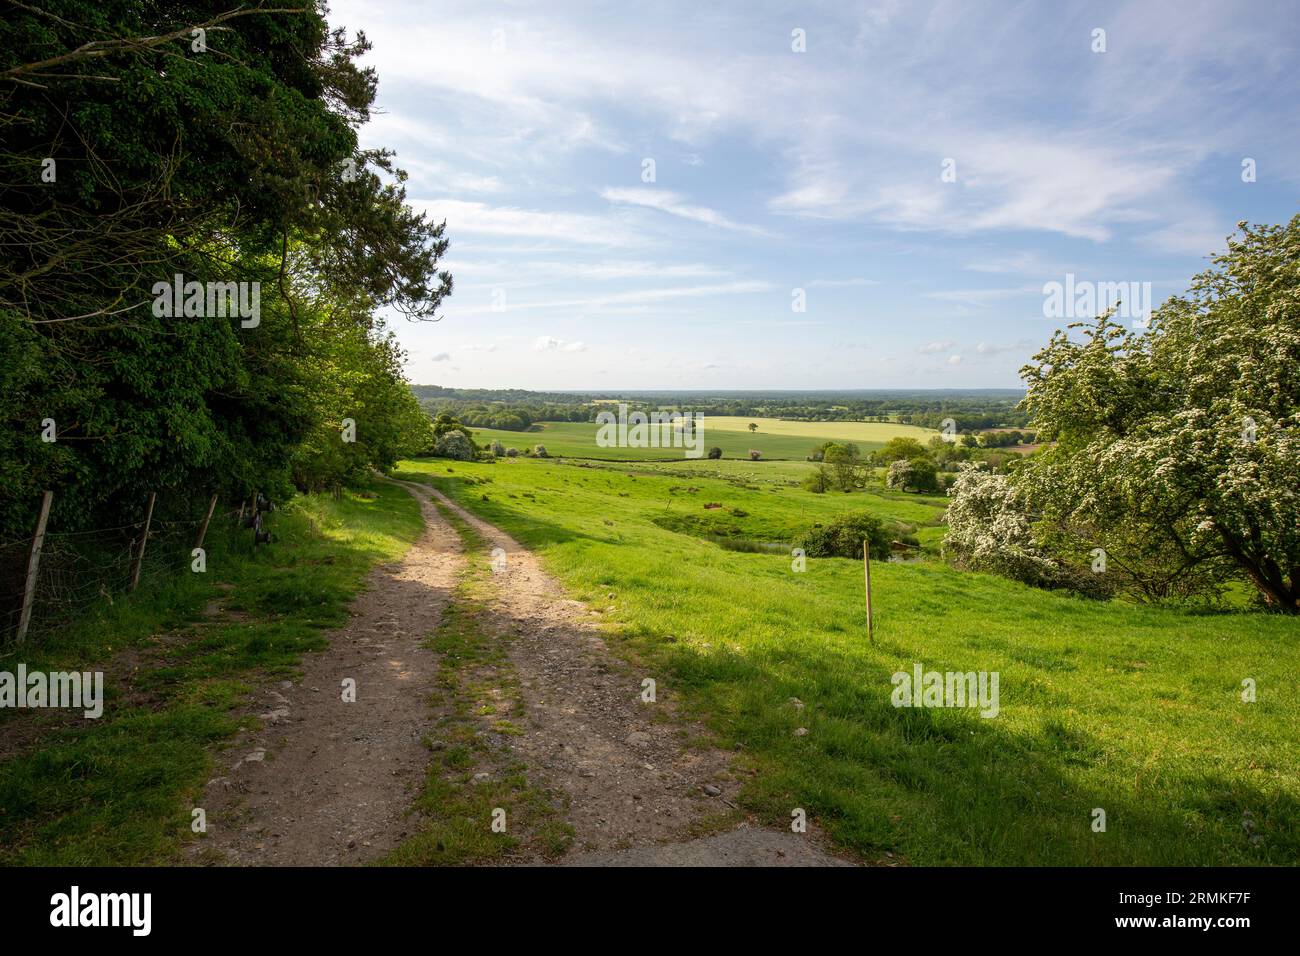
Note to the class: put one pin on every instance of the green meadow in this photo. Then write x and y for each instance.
(775, 439)
(1136, 711)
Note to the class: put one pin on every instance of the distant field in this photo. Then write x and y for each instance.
(774, 439)
(865, 433)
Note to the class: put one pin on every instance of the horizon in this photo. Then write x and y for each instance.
(814, 390)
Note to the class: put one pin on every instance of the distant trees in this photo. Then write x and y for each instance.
(1004, 439)
(899, 448)
(913, 474)
(446, 423)
(899, 475)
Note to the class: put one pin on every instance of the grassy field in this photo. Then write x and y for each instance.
(775, 439)
(1133, 710)
(118, 790)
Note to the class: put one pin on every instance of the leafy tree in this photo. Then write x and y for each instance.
(899, 448)
(819, 480)
(752, 428)
(1178, 450)
(239, 163)
(845, 462)
(899, 475)
(922, 474)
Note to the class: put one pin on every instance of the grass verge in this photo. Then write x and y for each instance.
(178, 664)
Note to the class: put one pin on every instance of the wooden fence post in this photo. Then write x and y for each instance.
(212, 506)
(33, 563)
(866, 572)
(144, 539)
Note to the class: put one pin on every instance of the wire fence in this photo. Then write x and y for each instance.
(79, 570)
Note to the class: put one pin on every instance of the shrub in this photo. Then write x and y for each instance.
(899, 474)
(755, 454)
(454, 444)
(989, 529)
(715, 452)
(843, 538)
(498, 449)
(540, 451)
(512, 452)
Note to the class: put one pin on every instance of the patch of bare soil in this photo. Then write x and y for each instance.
(324, 781)
(637, 792)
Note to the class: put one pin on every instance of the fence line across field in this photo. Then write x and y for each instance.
(54, 576)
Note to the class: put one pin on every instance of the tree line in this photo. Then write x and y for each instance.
(153, 153)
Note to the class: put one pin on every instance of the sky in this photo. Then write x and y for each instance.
(815, 195)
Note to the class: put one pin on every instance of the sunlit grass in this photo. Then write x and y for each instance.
(1134, 710)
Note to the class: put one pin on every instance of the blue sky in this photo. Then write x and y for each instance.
(527, 127)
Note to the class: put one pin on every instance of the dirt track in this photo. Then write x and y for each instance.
(324, 782)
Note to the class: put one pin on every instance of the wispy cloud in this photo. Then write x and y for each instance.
(548, 343)
(673, 204)
(465, 217)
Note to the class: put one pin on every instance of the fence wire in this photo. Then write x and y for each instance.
(82, 569)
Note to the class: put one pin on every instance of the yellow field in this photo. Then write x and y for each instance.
(839, 431)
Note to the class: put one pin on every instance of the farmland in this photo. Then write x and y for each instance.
(775, 438)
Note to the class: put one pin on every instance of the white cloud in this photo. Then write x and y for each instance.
(633, 297)
(548, 343)
(475, 217)
(675, 205)
(932, 348)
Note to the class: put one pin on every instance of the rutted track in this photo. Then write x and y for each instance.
(636, 790)
(326, 782)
